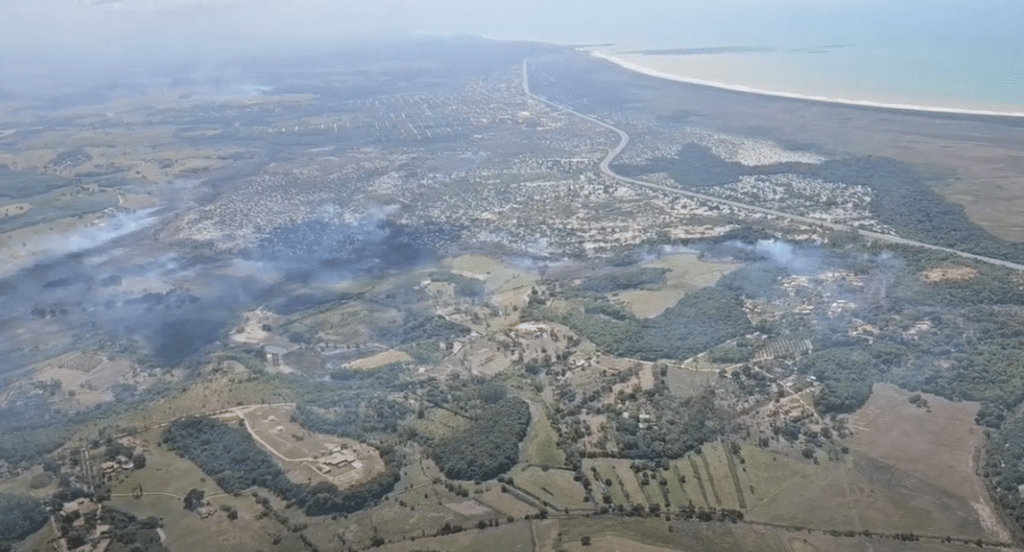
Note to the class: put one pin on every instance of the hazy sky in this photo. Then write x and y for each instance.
(98, 36)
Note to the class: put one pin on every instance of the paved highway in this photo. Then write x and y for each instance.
(624, 141)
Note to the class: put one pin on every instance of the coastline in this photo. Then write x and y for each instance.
(795, 96)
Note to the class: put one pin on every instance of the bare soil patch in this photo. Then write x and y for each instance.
(308, 456)
(380, 359)
(14, 209)
(937, 275)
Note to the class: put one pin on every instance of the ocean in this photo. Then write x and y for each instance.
(938, 54)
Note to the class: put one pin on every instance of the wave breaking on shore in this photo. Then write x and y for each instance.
(792, 95)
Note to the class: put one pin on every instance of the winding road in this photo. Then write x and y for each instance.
(624, 141)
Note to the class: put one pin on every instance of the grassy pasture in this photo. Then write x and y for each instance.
(165, 472)
(695, 488)
(554, 486)
(541, 444)
(504, 503)
(615, 533)
(676, 494)
(513, 538)
(686, 273)
(715, 455)
(380, 359)
(438, 423)
(63, 203)
(909, 470)
(605, 472)
(498, 276)
(627, 480)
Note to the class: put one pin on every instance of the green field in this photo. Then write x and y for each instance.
(676, 494)
(504, 537)
(630, 485)
(606, 472)
(541, 444)
(553, 486)
(715, 455)
(686, 273)
(695, 488)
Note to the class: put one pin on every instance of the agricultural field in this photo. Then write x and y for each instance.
(695, 481)
(438, 423)
(626, 479)
(685, 383)
(540, 448)
(33, 482)
(715, 460)
(88, 379)
(554, 486)
(380, 359)
(614, 534)
(908, 469)
(513, 538)
(166, 474)
(479, 357)
(686, 272)
(500, 278)
(504, 503)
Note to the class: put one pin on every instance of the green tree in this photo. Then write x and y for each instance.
(193, 499)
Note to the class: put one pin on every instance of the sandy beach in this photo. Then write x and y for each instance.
(642, 64)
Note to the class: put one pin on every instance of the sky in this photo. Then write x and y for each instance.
(100, 37)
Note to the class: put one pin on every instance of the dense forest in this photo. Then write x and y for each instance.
(420, 335)
(973, 349)
(228, 455)
(489, 447)
(355, 404)
(1004, 466)
(426, 328)
(847, 373)
(29, 429)
(697, 322)
(639, 278)
(20, 516)
(131, 534)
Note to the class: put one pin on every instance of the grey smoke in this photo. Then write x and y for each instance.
(785, 254)
(59, 244)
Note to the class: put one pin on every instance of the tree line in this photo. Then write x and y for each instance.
(697, 322)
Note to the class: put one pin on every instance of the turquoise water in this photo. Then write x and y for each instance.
(939, 53)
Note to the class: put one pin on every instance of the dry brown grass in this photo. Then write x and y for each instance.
(948, 274)
(297, 450)
(380, 359)
(909, 470)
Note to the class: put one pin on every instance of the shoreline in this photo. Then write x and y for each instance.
(795, 96)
